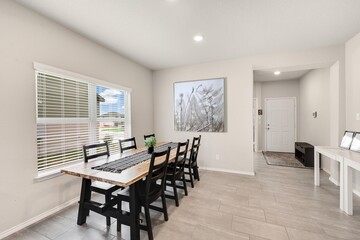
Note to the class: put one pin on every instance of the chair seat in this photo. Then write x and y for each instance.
(125, 193)
(102, 187)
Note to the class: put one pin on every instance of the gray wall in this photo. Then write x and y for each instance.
(27, 37)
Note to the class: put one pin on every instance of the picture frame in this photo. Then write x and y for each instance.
(347, 139)
(355, 145)
(199, 105)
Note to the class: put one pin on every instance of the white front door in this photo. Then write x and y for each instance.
(280, 124)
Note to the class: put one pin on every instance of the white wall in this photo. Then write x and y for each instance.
(276, 89)
(315, 96)
(235, 145)
(27, 37)
(352, 89)
(257, 95)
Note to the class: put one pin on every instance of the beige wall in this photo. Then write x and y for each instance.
(235, 145)
(353, 83)
(352, 90)
(27, 37)
(315, 96)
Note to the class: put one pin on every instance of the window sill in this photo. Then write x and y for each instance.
(48, 175)
(53, 173)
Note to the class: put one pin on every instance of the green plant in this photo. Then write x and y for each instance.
(150, 142)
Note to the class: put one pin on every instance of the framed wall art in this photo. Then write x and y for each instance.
(347, 139)
(199, 106)
(355, 144)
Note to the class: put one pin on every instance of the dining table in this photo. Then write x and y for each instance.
(126, 177)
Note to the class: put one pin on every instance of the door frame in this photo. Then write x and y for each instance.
(265, 117)
(256, 127)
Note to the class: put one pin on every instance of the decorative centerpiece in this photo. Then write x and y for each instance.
(150, 142)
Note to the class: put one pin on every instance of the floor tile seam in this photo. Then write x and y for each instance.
(247, 217)
(272, 225)
(67, 230)
(33, 230)
(299, 217)
(237, 231)
(287, 233)
(43, 234)
(310, 198)
(277, 198)
(343, 227)
(301, 229)
(193, 230)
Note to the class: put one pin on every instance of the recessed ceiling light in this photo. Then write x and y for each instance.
(277, 72)
(198, 38)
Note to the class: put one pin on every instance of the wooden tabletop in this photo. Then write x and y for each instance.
(123, 179)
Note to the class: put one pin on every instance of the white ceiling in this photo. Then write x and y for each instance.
(268, 75)
(158, 33)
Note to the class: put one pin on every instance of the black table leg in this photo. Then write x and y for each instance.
(134, 214)
(84, 196)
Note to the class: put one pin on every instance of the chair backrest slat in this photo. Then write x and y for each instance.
(150, 135)
(181, 153)
(123, 143)
(100, 149)
(195, 149)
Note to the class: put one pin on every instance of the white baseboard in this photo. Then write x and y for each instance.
(356, 192)
(326, 170)
(337, 183)
(37, 218)
(331, 179)
(334, 181)
(228, 171)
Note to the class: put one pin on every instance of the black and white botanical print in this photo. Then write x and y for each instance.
(199, 106)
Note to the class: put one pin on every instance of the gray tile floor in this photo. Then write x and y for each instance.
(278, 203)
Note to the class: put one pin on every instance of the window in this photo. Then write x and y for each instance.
(110, 116)
(72, 112)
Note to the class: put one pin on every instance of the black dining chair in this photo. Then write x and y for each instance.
(127, 144)
(150, 189)
(175, 172)
(150, 135)
(93, 151)
(191, 163)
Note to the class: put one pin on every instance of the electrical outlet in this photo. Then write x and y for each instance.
(358, 116)
(217, 156)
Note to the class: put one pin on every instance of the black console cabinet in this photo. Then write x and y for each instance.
(304, 152)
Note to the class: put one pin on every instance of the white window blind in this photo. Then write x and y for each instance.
(72, 113)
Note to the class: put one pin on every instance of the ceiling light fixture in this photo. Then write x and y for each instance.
(277, 72)
(198, 38)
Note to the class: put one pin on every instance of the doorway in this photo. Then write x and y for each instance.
(280, 124)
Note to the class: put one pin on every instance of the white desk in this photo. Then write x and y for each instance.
(336, 154)
(351, 161)
(348, 160)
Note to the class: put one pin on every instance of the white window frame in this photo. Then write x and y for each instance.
(92, 119)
